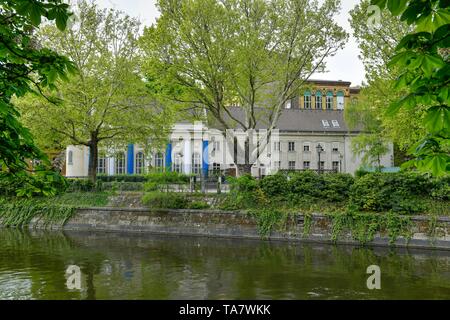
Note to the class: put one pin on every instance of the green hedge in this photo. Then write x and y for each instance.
(122, 178)
(165, 200)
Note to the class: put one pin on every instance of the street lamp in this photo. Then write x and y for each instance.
(319, 149)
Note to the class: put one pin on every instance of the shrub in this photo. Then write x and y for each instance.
(123, 186)
(441, 188)
(122, 178)
(274, 185)
(336, 186)
(161, 180)
(81, 185)
(199, 205)
(389, 191)
(165, 200)
(306, 183)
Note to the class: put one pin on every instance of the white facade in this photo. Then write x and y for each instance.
(195, 147)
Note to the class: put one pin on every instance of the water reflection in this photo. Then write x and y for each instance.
(119, 266)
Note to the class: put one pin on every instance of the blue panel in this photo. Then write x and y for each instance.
(130, 159)
(205, 160)
(169, 156)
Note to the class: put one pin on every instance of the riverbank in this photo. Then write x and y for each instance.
(400, 231)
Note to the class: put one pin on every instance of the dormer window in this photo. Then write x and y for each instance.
(307, 100)
(325, 123)
(335, 123)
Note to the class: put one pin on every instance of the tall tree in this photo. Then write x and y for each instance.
(26, 67)
(256, 54)
(106, 103)
(423, 58)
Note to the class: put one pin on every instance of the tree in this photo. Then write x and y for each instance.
(423, 58)
(25, 68)
(363, 114)
(256, 54)
(377, 43)
(105, 103)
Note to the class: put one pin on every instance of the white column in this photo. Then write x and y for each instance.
(111, 168)
(187, 159)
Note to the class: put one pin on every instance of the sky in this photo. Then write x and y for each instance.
(345, 65)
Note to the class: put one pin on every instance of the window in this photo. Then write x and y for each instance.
(139, 163)
(335, 166)
(307, 100)
(306, 165)
(101, 164)
(177, 163)
(322, 165)
(216, 167)
(70, 157)
(335, 123)
(340, 100)
(318, 100)
(335, 149)
(291, 146)
(159, 160)
(306, 148)
(216, 146)
(196, 163)
(325, 123)
(277, 165)
(277, 146)
(329, 101)
(288, 104)
(120, 163)
(291, 165)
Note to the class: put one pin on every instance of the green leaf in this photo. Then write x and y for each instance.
(437, 118)
(436, 164)
(430, 63)
(396, 6)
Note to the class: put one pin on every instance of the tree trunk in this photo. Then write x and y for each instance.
(93, 159)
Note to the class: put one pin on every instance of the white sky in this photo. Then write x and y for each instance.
(344, 66)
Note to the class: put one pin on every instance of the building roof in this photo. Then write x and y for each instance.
(298, 120)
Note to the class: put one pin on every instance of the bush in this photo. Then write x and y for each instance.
(441, 188)
(307, 183)
(161, 180)
(274, 185)
(336, 186)
(123, 186)
(81, 185)
(199, 205)
(122, 178)
(165, 200)
(389, 191)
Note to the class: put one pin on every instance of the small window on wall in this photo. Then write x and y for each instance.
(139, 163)
(291, 165)
(306, 148)
(101, 164)
(70, 157)
(319, 100)
(335, 166)
(159, 160)
(216, 168)
(307, 100)
(196, 163)
(340, 100)
(291, 146)
(177, 163)
(120, 163)
(329, 100)
(306, 165)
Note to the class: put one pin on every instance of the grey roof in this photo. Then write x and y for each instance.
(298, 120)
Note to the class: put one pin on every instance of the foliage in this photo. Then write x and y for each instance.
(270, 219)
(123, 178)
(162, 181)
(19, 213)
(26, 67)
(209, 54)
(423, 57)
(165, 200)
(105, 104)
(198, 205)
(123, 186)
(390, 191)
(81, 185)
(274, 185)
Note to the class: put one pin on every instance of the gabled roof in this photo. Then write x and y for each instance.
(298, 120)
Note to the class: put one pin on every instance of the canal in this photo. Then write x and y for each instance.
(133, 266)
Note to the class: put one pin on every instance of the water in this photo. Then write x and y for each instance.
(124, 266)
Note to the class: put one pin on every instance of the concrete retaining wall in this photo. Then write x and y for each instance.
(212, 223)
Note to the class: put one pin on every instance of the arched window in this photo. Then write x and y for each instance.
(329, 101)
(120, 163)
(101, 163)
(70, 158)
(177, 163)
(307, 100)
(139, 163)
(196, 163)
(319, 100)
(159, 161)
(288, 104)
(340, 100)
